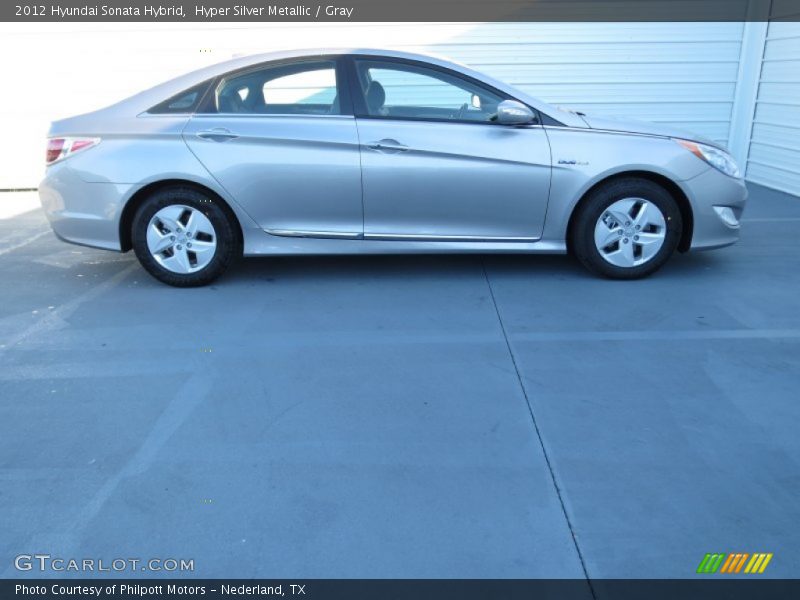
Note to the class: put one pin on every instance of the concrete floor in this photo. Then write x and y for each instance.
(504, 416)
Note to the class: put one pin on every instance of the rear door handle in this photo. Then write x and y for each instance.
(218, 134)
(387, 145)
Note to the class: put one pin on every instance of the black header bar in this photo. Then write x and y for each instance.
(398, 10)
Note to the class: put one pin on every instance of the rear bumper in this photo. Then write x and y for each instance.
(82, 213)
(709, 190)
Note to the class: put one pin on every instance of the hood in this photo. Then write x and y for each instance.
(644, 128)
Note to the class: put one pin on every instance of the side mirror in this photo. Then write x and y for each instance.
(511, 112)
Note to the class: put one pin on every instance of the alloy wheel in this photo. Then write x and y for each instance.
(630, 232)
(181, 239)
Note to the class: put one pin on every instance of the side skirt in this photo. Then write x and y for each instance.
(262, 243)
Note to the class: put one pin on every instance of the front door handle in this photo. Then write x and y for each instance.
(218, 134)
(387, 145)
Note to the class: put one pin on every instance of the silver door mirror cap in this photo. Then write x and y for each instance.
(511, 112)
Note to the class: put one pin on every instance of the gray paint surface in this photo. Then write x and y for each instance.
(363, 416)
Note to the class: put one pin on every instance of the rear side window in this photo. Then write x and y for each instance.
(305, 88)
(185, 102)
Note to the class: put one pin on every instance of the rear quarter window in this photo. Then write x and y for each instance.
(185, 102)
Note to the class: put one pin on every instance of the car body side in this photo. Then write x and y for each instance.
(90, 198)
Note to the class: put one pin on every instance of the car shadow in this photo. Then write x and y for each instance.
(440, 267)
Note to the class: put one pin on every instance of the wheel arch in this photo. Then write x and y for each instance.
(138, 197)
(680, 197)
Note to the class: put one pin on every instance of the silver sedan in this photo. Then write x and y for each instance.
(366, 152)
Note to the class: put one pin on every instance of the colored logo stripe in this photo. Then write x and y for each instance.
(710, 563)
(758, 563)
(734, 562)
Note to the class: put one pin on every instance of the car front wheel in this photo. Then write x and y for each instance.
(626, 229)
(183, 237)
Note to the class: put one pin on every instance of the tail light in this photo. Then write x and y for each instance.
(63, 147)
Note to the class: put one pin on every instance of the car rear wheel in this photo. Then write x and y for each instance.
(626, 229)
(183, 237)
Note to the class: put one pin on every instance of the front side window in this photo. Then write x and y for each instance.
(406, 91)
(307, 88)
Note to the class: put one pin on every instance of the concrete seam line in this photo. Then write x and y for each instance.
(538, 432)
(193, 391)
(664, 335)
(30, 240)
(54, 318)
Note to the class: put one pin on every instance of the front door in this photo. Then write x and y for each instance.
(434, 164)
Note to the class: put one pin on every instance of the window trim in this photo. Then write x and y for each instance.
(360, 105)
(208, 107)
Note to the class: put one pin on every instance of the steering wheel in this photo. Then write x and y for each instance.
(460, 114)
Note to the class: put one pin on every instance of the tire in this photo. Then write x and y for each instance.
(184, 237)
(611, 214)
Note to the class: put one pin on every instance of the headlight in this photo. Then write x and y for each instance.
(719, 159)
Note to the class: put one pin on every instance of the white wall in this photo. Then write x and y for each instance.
(774, 158)
(678, 73)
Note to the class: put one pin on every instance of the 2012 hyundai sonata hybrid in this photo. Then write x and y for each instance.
(366, 151)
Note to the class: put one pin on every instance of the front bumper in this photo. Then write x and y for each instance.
(80, 212)
(709, 192)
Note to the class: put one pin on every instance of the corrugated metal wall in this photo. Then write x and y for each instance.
(683, 74)
(774, 158)
(678, 73)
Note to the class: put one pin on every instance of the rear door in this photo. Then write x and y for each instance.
(282, 140)
(434, 164)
